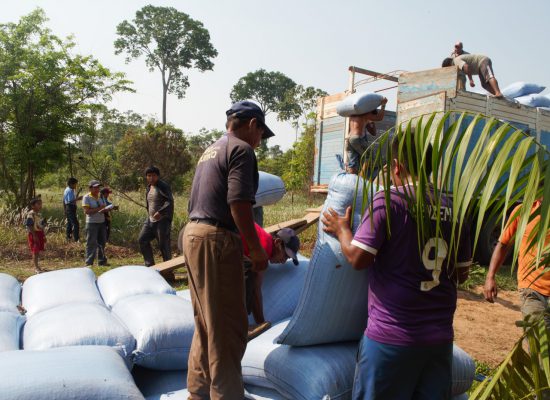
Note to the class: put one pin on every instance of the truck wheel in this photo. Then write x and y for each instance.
(488, 239)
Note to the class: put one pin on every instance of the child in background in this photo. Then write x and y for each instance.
(104, 193)
(35, 228)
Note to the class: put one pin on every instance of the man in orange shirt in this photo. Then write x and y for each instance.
(534, 288)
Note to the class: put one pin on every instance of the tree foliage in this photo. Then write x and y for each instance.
(269, 89)
(171, 42)
(157, 144)
(299, 171)
(47, 95)
(301, 104)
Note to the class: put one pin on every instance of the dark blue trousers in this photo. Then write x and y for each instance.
(390, 372)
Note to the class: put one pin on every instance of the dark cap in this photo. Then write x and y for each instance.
(247, 109)
(106, 190)
(291, 243)
(94, 183)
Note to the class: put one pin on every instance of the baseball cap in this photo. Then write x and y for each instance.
(106, 190)
(291, 243)
(248, 109)
(94, 183)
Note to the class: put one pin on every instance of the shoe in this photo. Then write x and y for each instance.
(104, 264)
(256, 331)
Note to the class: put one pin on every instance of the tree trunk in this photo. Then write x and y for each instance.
(164, 94)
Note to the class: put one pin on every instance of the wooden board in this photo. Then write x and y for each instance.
(326, 106)
(414, 85)
(318, 189)
(417, 107)
(170, 265)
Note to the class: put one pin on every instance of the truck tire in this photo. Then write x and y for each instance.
(488, 239)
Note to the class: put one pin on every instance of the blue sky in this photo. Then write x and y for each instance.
(313, 42)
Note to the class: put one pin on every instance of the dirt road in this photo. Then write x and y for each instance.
(487, 331)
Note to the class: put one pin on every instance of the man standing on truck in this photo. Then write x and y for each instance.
(220, 207)
(458, 51)
(406, 351)
(360, 126)
(476, 64)
(534, 288)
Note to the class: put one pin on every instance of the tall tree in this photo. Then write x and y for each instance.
(301, 103)
(269, 89)
(47, 95)
(171, 42)
(157, 144)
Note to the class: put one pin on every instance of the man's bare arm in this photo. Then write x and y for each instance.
(244, 219)
(339, 227)
(490, 290)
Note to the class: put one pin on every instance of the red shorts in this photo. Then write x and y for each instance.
(37, 245)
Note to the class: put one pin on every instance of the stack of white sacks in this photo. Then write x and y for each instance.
(127, 335)
(527, 94)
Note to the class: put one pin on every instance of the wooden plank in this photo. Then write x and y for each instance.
(418, 107)
(170, 265)
(413, 85)
(311, 219)
(544, 120)
(326, 106)
(314, 209)
(375, 74)
(318, 188)
(292, 224)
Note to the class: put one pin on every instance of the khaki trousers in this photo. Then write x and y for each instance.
(216, 281)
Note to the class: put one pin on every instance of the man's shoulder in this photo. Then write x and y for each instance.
(234, 142)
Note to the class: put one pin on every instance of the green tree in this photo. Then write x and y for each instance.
(47, 96)
(157, 144)
(94, 149)
(269, 89)
(299, 168)
(301, 104)
(171, 42)
(199, 143)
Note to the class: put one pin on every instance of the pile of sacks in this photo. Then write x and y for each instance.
(127, 335)
(527, 94)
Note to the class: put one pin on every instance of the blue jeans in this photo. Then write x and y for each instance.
(73, 226)
(390, 372)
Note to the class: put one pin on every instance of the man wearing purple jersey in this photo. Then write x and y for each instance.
(406, 352)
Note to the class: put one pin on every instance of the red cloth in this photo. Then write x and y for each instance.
(37, 245)
(266, 241)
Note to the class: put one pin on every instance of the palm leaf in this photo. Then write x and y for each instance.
(486, 166)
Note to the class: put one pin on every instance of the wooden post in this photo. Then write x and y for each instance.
(351, 84)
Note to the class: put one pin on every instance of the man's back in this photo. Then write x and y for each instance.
(473, 60)
(224, 173)
(412, 297)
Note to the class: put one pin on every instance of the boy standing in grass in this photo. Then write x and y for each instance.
(35, 228)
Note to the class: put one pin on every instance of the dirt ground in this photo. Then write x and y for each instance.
(487, 331)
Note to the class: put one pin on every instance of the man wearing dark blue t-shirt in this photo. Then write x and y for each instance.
(220, 210)
(406, 352)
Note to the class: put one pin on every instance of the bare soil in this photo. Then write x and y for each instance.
(487, 331)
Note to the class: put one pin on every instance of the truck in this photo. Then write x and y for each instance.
(420, 93)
